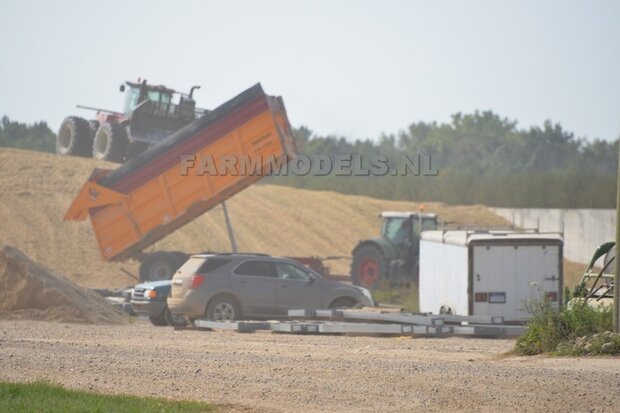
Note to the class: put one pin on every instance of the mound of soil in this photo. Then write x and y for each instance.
(30, 291)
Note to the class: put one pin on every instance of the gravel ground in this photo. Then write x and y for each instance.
(271, 372)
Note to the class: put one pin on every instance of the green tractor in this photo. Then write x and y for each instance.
(394, 256)
(597, 286)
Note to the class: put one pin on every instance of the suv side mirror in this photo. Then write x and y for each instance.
(122, 88)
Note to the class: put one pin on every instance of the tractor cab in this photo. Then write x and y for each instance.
(139, 92)
(402, 228)
(394, 255)
(156, 111)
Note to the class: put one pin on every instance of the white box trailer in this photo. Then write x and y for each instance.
(488, 273)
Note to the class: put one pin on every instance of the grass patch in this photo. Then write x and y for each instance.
(42, 397)
(405, 297)
(578, 330)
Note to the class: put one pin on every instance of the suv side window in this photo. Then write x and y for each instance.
(212, 264)
(292, 272)
(256, 268)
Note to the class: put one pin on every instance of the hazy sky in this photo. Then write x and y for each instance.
(356, 68)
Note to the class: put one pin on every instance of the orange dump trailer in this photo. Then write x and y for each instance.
(181, 178)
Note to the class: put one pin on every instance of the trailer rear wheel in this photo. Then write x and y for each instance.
(158, 266)
(74, 137)
(368, 267)
(110, 142)
(180, 258)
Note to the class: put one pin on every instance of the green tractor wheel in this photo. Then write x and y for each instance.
(369, 267)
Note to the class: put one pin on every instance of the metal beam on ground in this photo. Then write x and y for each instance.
(241, 326)
(489, 330)
(352, 315)
(473, 319)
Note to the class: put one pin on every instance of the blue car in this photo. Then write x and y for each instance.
(149, 299)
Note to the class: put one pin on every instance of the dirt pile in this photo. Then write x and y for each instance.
(30, 291)
(37, 188)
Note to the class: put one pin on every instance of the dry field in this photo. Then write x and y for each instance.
(37, 188)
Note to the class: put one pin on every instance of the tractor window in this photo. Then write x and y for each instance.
(131, 99)
(427, 225)
(395, 229)
(154, 96)
(165, 98)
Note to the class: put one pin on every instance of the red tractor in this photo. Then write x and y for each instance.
(150, 114)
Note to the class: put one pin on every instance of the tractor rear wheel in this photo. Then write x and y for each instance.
(368, 267)
(110, 142)
(93, 125)
(134, 149)
(74, 137)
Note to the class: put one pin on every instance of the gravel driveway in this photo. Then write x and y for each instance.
(272, 372)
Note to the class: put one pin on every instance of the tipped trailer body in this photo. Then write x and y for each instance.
(491, 273)
(160, 190)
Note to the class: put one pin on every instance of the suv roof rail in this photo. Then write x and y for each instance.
(245, 253)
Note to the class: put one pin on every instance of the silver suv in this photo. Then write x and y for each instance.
(234, 286)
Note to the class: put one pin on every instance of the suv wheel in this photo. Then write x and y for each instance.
(223, 309)
(174, 320)
(343, 303)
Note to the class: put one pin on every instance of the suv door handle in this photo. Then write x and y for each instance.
(284, 286)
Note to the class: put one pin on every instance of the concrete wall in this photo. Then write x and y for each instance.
(584, 229)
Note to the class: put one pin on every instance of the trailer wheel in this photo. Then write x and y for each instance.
(110, 142)
(74, 137)
(158, 266)
(445, 310)
(368, 267)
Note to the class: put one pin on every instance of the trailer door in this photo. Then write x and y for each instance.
(494, 272)
(505, 277)
(538, 275)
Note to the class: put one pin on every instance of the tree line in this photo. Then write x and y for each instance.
(36, 137)
(481, 158)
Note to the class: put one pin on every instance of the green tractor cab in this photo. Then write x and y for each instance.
(597, 287)
(395, 254)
